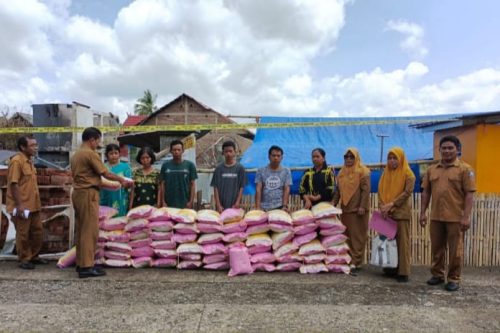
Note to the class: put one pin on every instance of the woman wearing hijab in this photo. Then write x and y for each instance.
(353, 193)
(317, 183)
(394, 194)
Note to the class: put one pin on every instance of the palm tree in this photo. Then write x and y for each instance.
(146, 104)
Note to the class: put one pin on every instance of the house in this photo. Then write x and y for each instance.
(18, 119)
(479, 134)
(185, 110)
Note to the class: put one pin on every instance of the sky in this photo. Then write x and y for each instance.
(331, 58)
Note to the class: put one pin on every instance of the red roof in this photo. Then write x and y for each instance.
(133, 120)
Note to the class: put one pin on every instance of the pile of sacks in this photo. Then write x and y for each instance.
(310, 241)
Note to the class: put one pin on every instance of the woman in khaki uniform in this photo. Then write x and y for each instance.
(394, 194)
(353, 193)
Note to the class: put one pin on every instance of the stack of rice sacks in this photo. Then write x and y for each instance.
(332, 238)
(259, 243)
(185, 236)
(160, 233)
(107, 231)
(211, 240)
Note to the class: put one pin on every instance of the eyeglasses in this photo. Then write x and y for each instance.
(348, 156)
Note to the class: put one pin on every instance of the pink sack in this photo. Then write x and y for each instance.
(288, 267)
(324, 209)
(190, 256)
(159, 214)
(313, 247)
(331, 222)
(119, 236)
(281, 238)
(117, 223)
(218, 266)
(191, 248)
(167, 254)
(216, 248)
(276, 227)
(234, 227)
(141, 234)
(140, 243)
(185, 228)
(205, 228)
(140, 212)
(313, 269)
(337, 249)
(302, 216)
(262, 267)
(264, 257)
(68, 259)
(305, 229)
(304, 239)
(231, 215)
(208, 216)
(314, 258)
(184, 238)
(161, 226)
(332, 231)
(185, 215)
(118, 247)
(278, 216)
(333, 240)
(164, 262)
(161, 235)
(210, 238)
(164, 245)
(258, 229)
(188, 264)
(235, 237)
(106, 212)
(116, 255)
(136, 225)
(145, 251)
(293, 257)
(286, 249)
(339, 259)
(142, 262)
(335, 268)
(117, 263)
(258, 249)
(211, 259)
(255, 217)
(239, 261)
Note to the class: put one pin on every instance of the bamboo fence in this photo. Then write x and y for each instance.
(482, 241)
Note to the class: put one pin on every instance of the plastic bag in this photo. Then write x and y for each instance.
(384, 252)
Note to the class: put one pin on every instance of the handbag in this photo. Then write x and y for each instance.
(384, 252)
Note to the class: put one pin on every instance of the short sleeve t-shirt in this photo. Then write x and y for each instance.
(177, 178)
(228, 180)
(273, 183)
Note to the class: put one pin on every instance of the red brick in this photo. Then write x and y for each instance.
(60, 180)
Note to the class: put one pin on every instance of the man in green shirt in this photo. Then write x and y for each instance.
(177, 179)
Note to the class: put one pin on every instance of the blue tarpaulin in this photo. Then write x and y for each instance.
(298, 142)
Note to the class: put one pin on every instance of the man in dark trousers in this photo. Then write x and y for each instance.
(87, 169)
(23, 203)
(450, 185)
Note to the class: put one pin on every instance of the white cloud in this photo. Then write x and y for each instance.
(413, 43)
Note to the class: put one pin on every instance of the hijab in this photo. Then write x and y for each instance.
(392, 182)
(349, 178)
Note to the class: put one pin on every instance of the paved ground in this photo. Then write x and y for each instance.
(150, 300)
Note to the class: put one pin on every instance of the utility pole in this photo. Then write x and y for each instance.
(382, 137)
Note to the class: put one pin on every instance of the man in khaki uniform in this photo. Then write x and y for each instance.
(87, 169)
(23, 203)
(451, 185)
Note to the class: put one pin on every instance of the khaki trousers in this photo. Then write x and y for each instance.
(357, 233)
(447, 234)
(404, 250)
(29, 236)
(86, 205)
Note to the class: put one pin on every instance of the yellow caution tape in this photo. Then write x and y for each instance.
(203, 127)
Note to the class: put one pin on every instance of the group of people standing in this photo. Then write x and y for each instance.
(449, 184)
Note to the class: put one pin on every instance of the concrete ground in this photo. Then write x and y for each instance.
(151, 300)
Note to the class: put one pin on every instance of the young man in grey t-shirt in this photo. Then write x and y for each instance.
(273, 183)
(228, 180)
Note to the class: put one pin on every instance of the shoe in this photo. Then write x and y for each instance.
(434, 281)
(390, 272)
(452, 286)
(355, 270)
(402, 278)
(27, 265)
(39, 261)
(90, 272)
(77, 269)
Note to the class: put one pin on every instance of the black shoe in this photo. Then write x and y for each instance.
(39, 261)
(434, 281)
(452, 286)
(355, 271)
(90, 272)
(27, 265)
(77, 269)
(402, 278)
(390, 272)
